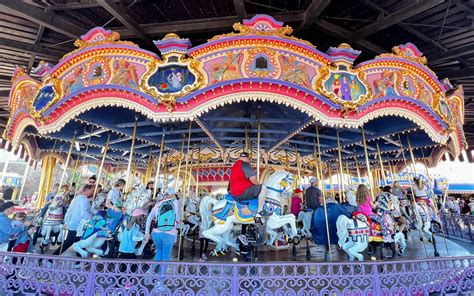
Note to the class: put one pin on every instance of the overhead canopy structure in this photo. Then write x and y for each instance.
(257, 78)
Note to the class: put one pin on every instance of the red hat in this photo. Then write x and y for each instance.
(297, 190)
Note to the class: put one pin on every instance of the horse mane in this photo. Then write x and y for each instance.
(275, 176)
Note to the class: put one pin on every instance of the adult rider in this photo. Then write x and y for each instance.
(243, 184)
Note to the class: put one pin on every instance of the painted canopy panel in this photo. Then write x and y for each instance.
(260, 61)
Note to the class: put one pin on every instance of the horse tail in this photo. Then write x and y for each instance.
(342, 224)
(206, 211)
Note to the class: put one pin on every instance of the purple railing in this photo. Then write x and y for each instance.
(48, 275)
(458, 226)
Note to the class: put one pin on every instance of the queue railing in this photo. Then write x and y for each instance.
(458, 226)
(52, 275)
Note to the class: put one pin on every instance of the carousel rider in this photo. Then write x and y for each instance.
(421, 193)
(114, 205)
(243, 184)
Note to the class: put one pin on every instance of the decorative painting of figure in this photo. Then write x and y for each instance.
(385, 86)
(345, 89)
(171, 79)
(336, 86)
(124, 74)
(74, 83)
(176, 79)
(425, 95)
(354, 88)
(229, 69)
(345, 86)
(444, 110)
(294, 71)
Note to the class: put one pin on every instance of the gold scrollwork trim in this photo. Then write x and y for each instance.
(169, 99)
(324, 74)
(56, 84)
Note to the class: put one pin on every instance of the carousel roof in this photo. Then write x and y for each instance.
(222, 93)
(33, 31)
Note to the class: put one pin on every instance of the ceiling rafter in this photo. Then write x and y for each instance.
(120, 13)
(48, 19)
(314, 10)
(240, 9)
(392, 19)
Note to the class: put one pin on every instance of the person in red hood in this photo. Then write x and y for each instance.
(243, 183)
(297, 203)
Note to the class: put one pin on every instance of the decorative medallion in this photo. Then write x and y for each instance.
(407, 85)
(48, 94)
(97, 71)
(261, 62)
(175, 75)
(341, 83)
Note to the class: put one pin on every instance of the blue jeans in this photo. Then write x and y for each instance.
(116, 217)
(164, 244)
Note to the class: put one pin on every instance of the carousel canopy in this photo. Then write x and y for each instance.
(258, 85)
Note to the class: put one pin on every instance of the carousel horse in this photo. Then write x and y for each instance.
(93, 235)
(227, 212)
(353, 235)
(424, 222)
(94, 231)
(138, 198)
(53, 221)
(305, 218)
(320, 226)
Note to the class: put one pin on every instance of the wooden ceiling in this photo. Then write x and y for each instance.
(35, 30)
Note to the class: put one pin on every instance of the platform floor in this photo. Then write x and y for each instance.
(415, 250)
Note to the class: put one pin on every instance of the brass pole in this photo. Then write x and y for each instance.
(68, 158)
(259, 123)
(341, 199)
(160, 156)
(181, 155)
(324, 196)
(410, 148)
(187, 157)
(369, 173)
(101, 167)
(348, 173)
(83, 161)
(129, 166)
(357, 168)
(411, 187)
(197, 171)
(298, 168)
(382, 172)
(316, 161)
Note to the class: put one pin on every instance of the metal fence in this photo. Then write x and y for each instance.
(458, 226)
(50, 275)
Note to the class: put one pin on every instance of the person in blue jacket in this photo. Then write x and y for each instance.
(7, 230)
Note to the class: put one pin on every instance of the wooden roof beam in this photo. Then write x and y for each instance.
(457, 74)
(240, 9)
(314, 10)
(48, 19)
(24, 47)
(392, 19)
(336, 31)
(122, 16)
(451, 54)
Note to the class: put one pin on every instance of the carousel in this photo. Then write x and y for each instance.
(182, 116)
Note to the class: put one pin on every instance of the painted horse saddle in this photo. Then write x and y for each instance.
(243, 211)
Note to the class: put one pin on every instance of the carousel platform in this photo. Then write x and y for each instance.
(275, 273)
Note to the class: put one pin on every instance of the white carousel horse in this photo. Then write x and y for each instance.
(355, 234)
(227, 212)
(305, 217)
(94, 231)
(53, 221)
(138, 198)
(423, 216)
(98, 203)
